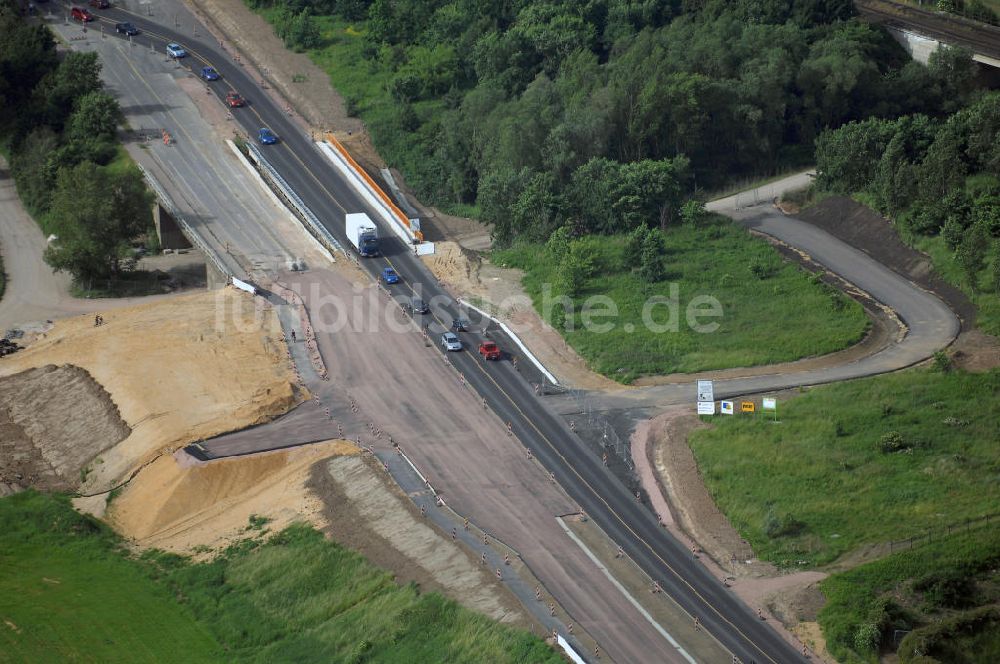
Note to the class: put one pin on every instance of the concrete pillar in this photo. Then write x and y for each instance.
(167, 230)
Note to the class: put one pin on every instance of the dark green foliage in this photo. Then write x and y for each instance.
(95, 214)
(968, 637)
(939, 180)
(950, 589)
(865, 604)
(651, 256)
(606, 115)
(60, 125)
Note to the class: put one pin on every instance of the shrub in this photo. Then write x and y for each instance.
(761, 269)
(951, 589)
(891, 442)
(867, 638)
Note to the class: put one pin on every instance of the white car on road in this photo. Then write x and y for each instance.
(175, 50)
(450, 341)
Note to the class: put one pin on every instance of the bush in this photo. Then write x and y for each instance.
(867, 638)
(891, 442)
(761, 269)
(951, 589)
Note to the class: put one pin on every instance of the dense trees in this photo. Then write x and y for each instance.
(605, 114)
(932, 176)
(59, 127)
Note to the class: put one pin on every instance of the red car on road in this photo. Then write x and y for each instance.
(81, 14)
(489, 350)
(234, 100)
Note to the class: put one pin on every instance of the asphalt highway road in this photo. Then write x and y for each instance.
(582, 474)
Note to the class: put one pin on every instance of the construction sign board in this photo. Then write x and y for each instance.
(706, 408)
(747, 407)
(705, 391)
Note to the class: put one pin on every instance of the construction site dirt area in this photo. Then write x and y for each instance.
(174, 371)
(43, 442)
(366, 511)
(197, 508)
(186, 506)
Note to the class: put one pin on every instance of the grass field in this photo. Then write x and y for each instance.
(69, 594)
(783, 316)
(75, 596)
(818, 484)
(922, 590)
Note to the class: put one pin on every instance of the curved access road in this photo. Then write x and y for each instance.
(506, 392)
(930, 324)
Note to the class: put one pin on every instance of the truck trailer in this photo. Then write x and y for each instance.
(362, 233)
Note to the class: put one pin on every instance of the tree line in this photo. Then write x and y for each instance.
(604, 114)
(933, 176)
(59, 126)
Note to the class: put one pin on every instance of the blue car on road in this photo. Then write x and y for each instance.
(266, 136)
(389, 276)
(209, 74)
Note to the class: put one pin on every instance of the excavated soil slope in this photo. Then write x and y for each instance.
(53, 421)
(185, 506)
(180, 370)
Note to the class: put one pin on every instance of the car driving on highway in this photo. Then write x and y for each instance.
(81, 14)
(100, 4)
(266, 136)
(389, 276)
(234, 100)
(126, 29)
(175, 50)
(418, 306)
(209, 74)
(450, 341)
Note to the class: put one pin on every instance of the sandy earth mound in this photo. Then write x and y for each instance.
(181, 505)
(53, 420)
(180, 370)
(415, 550)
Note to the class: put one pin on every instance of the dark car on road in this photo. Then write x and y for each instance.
(418, 306)
(100, 4)
(126, 29)
(209, 74)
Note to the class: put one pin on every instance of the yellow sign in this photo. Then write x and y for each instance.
(747, 407)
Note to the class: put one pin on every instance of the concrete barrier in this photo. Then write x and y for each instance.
(312, 223)
(244, 286)
(367, 189)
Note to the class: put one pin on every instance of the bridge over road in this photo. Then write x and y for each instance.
(921, 30)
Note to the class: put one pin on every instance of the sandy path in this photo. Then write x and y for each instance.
(34, 292)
